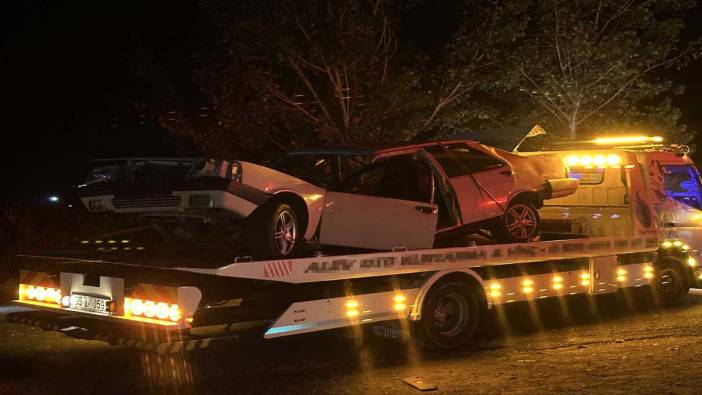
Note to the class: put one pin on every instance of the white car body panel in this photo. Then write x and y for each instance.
(375, 222)
(273, 182)
(499, 186)
(221, 199)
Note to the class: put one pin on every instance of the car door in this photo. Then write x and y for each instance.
(386, 205)
(482, 183)
(495, 176)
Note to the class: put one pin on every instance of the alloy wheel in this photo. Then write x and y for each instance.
(521, 221)
(285, 232)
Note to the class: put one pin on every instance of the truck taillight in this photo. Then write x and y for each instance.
(152, 309)
(39, 294)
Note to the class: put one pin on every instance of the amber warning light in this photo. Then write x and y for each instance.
(629, 140)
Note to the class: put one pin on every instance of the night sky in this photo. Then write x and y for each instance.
(68, 96)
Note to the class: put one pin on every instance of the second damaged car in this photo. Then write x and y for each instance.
(404, 196)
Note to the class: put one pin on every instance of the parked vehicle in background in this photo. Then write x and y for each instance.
(405, 196)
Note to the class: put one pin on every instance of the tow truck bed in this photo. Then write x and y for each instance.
(286, 297)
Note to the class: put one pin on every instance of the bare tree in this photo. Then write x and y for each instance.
(586, 57)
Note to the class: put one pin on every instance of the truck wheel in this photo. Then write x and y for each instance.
(520, 223)
(669, 285)
(273, 231)
(450, 315)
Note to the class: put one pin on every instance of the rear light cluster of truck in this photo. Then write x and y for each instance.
(151, 309)
(39, 294)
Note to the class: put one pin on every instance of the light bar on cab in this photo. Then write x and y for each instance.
(627, 140)
(596, 160)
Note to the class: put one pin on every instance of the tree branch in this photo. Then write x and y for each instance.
(287, 100)
(453, 95)
(314, 93)
(629, 82)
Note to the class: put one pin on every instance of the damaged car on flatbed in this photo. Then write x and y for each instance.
(403, 196)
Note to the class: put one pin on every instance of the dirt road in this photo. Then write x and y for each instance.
(573, 347)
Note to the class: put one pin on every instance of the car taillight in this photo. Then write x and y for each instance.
(152, 309)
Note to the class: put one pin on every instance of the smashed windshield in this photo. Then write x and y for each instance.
(325, 170)
(321, 170)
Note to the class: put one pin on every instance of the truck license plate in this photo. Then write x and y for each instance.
(89, 303)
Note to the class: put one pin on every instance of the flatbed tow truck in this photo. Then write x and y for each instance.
(436, 296)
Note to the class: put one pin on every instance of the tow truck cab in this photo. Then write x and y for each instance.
(627, 190)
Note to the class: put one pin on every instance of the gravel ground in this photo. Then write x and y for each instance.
(573, 347)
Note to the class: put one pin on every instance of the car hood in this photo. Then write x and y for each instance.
(549, 166)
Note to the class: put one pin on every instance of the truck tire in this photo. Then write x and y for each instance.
(450, 316)
(520, 223)
(273, 231)
(669, 285)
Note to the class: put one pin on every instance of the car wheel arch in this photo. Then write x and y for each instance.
(297, 203)
(527, 196)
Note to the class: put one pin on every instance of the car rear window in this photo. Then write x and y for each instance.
(459, 159)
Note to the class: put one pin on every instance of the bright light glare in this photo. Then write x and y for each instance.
(41, 294)
(495, 290)
(161, 311)
(627, 140)
(613, 160)
(351, 304)
(174, 313)
(585, 279)
(557, 282)
(54, 199)
(572, 160)
(527, 286)
(599, 160)
(147, 308)
(136, 307)
(692, 261)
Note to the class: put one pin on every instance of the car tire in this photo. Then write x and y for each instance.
(450, 316)
(669, 284)
(520, 223)
(274, 231)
